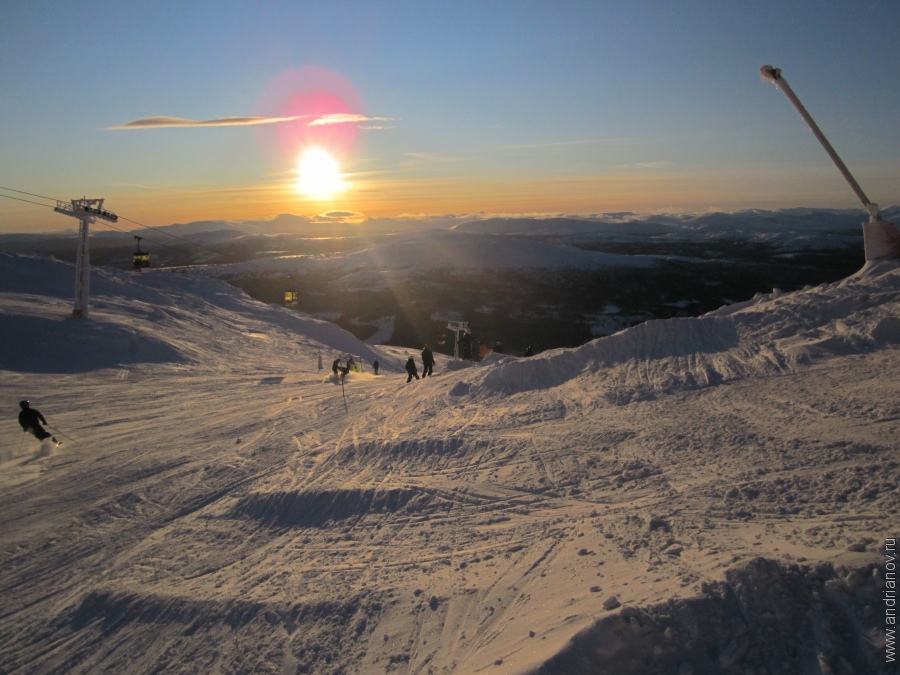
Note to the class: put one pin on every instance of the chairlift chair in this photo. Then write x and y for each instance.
(141, 259)
(290, 298)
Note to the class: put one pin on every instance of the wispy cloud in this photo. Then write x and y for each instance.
(314, 120)
(556, 144)
(342, 118)
(655, 165)
(339, 217)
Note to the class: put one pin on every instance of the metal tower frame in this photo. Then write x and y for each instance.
(457, 327)
(87, 211)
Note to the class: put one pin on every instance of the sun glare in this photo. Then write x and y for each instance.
(319, 174)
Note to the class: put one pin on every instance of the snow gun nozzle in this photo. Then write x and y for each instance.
(770, 74)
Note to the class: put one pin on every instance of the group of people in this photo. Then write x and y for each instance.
(338, 367)
(427, 365)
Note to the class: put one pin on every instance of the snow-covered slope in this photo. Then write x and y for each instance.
(766, 336)
(687, 496)
(152, 317)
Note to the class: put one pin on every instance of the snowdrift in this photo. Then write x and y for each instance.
(766, 336)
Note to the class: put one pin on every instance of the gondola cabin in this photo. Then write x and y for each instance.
(141, 259)
(442, 338)
(290, 298)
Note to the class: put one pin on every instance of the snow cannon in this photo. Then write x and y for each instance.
(881, 238)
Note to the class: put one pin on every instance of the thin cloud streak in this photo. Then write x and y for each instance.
(162, 122)
(554, 144)
(341, 118)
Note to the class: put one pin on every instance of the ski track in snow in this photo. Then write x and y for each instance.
(222, 507)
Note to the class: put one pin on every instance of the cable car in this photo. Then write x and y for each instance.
(442, 338)
(290, 298)
(141, 259)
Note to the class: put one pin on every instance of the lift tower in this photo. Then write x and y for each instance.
(457, 327)
(87, 211)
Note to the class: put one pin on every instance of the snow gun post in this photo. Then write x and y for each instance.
(880, 237)
(87, 211)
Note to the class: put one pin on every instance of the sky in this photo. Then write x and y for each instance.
(431, 108)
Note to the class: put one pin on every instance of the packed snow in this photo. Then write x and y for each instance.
(698, 495)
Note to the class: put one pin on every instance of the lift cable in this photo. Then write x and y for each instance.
(19, 199)
(178, 249)
(30, 194)
(148, 227)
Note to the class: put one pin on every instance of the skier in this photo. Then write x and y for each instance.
(427, 361)
(375, 366)
(336, 365)
(31, 420)
(412, 370)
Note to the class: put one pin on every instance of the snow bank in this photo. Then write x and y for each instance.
(768, 335)
(763, 617)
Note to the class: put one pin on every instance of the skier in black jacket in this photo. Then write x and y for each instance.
(427, 361)
(31, 420)
(411, 369)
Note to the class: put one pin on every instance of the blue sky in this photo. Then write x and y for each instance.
(491, 106)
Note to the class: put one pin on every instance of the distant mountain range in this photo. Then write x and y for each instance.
(519, 281)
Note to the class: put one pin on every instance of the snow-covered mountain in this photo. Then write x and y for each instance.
(710, 494)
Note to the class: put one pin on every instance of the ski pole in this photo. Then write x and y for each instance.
(62, 434)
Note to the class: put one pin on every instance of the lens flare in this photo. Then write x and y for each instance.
(319, 174)
(309, 93)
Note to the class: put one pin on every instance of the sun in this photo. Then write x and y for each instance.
(319, 174)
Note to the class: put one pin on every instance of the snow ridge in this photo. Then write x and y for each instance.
(768, 335)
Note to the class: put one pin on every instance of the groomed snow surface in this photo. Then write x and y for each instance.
(708, 495)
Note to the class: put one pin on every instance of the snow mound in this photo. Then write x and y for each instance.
(768, 335)
(763, 617)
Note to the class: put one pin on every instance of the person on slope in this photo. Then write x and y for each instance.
(31, 420)
(336, 365)
(411, 369)
(375, 366)
(427, 361)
